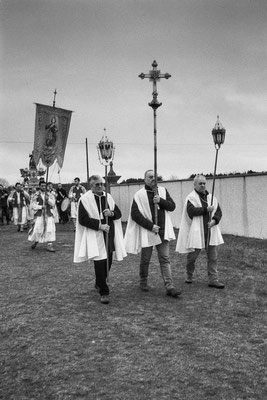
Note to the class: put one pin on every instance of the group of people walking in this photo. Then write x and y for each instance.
(99, 235)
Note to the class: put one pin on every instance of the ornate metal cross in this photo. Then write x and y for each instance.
(154, 76)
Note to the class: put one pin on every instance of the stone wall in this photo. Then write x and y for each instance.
(243, 199)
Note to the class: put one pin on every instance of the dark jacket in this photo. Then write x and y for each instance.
(92, 223)
(193, 211)
(167, 205)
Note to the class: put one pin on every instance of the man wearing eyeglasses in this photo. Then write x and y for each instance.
(142, 233)
(99, 235)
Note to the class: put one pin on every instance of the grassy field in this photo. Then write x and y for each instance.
(59, 342)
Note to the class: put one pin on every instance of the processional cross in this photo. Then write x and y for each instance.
(154, 75)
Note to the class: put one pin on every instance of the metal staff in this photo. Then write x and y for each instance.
(47, 171)
(218, 133)
(154, 75)
(106, 150)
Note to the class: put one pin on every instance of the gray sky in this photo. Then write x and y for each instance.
(93, 51)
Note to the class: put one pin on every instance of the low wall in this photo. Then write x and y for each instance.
(242, 198)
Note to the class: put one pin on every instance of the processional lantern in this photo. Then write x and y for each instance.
(218, 134)
(106, 151)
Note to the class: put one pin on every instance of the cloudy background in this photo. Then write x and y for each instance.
(93, 51)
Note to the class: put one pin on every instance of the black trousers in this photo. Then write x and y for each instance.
(101, 275)
(4, 212)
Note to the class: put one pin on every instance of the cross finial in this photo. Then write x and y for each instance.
(154, 75)
(54, 101)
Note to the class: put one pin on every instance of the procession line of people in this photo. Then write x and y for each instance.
(99, 235)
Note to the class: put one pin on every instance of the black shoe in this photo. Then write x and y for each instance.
(104, 299)
(50, 248)
(173, 292)
(217, 285)
(18, 228)
(34, 245)
(188, 280)
(144, 287)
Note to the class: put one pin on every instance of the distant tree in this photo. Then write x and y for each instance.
(133, 180)
(139, 180)
(4, 182)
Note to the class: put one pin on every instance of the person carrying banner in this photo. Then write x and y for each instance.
(90, 237)
(142, 233)
(19, 200)
(44, 229)
(194, 231)
(76, 191)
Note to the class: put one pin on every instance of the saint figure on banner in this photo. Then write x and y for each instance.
(51, 133)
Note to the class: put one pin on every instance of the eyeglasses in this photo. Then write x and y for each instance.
(99, 184)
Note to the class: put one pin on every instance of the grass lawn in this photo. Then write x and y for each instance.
(59, 342)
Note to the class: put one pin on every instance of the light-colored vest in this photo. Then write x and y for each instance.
(89, 243)
(136, 236)
(191, 233)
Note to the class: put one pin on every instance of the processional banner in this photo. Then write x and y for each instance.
(51, 134)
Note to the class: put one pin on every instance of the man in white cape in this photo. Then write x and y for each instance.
(91, 233)
(197, 228)
(142, 234)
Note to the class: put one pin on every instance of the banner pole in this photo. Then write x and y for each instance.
(87, 162)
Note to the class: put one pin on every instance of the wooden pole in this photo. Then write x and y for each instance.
(106, 207)
(212, 195)
(155, 164)
(87, 162)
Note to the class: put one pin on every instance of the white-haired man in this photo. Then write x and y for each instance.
(199, 224)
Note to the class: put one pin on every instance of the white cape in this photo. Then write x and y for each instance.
(90, 244)
(191, 232)
(136, 236)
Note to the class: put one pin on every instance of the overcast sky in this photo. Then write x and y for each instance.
(93, 51)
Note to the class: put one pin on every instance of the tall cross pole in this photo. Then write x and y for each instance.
(154, 75)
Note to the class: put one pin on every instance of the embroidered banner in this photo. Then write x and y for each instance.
(51, 134)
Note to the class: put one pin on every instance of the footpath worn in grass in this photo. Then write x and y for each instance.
(59, 342)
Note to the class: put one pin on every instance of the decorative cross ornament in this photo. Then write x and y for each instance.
(154, 76)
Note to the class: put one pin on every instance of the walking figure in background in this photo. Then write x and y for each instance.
(4, 212)
(142, 233)
(61, 194)
(90, 237)
(50, 189)
(194, 231)
(76, 191)
(44, 229)
(19, 200)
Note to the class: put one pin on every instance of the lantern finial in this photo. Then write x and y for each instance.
(218, 133)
